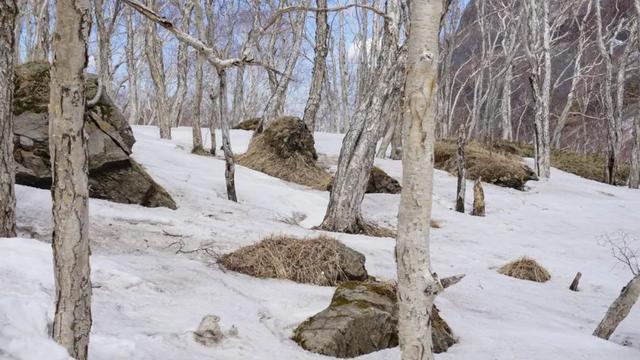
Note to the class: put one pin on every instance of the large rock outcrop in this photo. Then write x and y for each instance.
(362, 318)
(113, 174)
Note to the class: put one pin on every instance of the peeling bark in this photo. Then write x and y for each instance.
(319, 67)
(417, 286)
(358, 149)
(70, 190)
(8, 14)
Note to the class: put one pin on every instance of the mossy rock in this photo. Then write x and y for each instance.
(381, 183)
(113, 175)
(362, 318)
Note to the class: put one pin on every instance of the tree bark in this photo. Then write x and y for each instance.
(154, 54)
(462, 179)
(182, 68)
(104, 32)
(8, 14)
(319, 67)
(417, 286)
(69, 189)
(478, 199)
(199, 86)
(344, 76)
(619, 310)
(229, 173)
(132, 70)
(575, 282)
(41, 45)
(357, 153)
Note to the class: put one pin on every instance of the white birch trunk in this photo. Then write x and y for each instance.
(229, 173)
(319, 67)
(41, 42)
(619, 310)
(132, 70)
(359, 145)
(69, 168)
(417, 287)
(154, 54)
(8, 14)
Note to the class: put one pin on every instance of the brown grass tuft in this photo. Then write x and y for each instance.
(286, 150)
(495, 167)
(321, 261)
(249, 124)
(525, 269)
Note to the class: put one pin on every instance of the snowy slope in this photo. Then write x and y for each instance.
(148, 298)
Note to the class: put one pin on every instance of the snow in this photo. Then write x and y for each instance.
(148, 297)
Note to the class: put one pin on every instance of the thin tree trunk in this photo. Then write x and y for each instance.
(417, 287)
(213, 123)
(276, 103)
(634, 170)
(154, 53)
(359, 145)
(238, 111)
(199, 86)
(229, 173)
(344, 76)
(319, 67)
(619, 310)
(507, 127)
(8, 14)
(182, 69)
(41, 46)
(69, 168)
(132, 70)
(104, 46)
(462, 179)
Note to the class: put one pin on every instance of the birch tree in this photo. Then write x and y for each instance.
(182, 64)
(132, 70)
(8, 14)
(614, 85)
(319, 66)
(154, 54)
(634, 175)
(538, 48)
(69, 168)
(40, 50)
(417, 286)
(359, 145)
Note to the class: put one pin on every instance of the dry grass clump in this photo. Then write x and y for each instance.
(587, 166)
(525, 269)
(286, 150)
(249, 124)
(321, 261)
(495, 167)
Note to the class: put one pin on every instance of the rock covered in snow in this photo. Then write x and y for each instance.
(210, 333)
(113, 175)
(362, 318)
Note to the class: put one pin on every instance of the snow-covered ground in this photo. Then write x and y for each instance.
(148, 297)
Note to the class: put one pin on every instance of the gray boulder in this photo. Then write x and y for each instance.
(113, 174)
(362, 318)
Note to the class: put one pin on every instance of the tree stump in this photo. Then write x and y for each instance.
(574, 283)
(478, 198)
